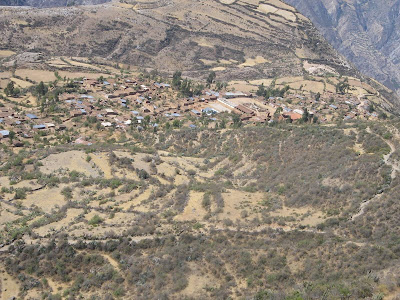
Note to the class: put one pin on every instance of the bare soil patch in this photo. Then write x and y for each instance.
(46, 199)
(193, 209)
(69, 161)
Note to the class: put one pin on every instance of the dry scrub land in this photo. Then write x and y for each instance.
(112, 187)
(242, 210)
(264, 204)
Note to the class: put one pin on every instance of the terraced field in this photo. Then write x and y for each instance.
(179, 34)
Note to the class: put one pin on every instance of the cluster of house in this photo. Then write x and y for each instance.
(110, 103)
(324, 107)
(120, 103)
(18, 125)
(130, 102)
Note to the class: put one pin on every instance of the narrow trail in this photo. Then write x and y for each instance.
(364, 205)
(395, 165)
(389, 161)
(280, 152)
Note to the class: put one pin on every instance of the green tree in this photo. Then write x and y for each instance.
(271, 91)
(261, 90)
(41, 89)
(371, 108)
(305, 116)
(278, 112)
(211, 78)
(176, 124)
(198, 89)
(237, 122)
(343, 86)
(177, 79)
(11, 90)
(11, 135)
(220, 85)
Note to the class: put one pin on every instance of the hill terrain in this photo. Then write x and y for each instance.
(114, 184)
(241, 40)
(49, 3)
(366, 32)
(192, 150)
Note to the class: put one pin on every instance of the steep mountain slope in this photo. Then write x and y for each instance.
(242, 40)
(366, 32)
(49, 3)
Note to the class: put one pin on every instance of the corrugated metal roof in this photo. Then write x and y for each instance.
(31, 116)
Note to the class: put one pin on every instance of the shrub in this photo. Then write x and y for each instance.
(96, 220)
(206, 202)
(20, 194)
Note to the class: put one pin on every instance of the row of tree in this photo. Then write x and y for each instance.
(271, 91)
(186, 87)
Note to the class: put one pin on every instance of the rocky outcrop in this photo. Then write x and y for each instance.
(366, 32)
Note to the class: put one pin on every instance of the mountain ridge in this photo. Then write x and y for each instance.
(50, 3)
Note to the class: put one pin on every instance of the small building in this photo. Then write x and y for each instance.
(111, 96)
(245, 117)
(130, 91)
(231, 95)
(195, 112)
(32, 116)
(110, 112)
(298, 111)
(209, 111)
(61, 127)
(106, 124)
(4, 133)
(39, 126)
(245, 110)
(81, 141)
(76, 113)
(292, 116)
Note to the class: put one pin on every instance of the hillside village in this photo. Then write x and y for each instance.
(125, 177)
(180, 149)
(133, 103)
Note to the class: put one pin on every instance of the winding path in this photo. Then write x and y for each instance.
(388, 161)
